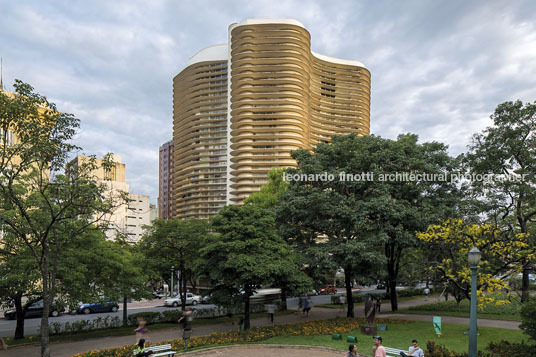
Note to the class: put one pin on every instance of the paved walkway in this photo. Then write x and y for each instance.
(66, 349)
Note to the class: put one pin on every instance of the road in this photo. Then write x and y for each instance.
(31, 325)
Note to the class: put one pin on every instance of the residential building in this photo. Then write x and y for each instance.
(130, 215)
(240, 108)
(165, 180)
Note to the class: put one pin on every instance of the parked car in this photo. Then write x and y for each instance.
(329, 289)
(35, 310)
(311, 293)
(205, 299)
(175, 301)
(158, 294)
(102, 306)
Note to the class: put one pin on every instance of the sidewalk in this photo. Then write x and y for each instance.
(66, 349)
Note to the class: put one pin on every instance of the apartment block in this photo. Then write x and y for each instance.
(165, 180)
(241, 108)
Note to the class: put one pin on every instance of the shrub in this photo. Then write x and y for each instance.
(149, 317)
(170, 315)
(528, 318)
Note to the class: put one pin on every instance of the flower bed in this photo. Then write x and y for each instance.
(309, 328)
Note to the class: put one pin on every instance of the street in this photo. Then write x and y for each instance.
(31, 325)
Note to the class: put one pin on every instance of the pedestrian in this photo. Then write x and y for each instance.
(141, 330)
(378, 350)
(307, 304)
(271, 309)
(342, 301)
(426, 292)
(300, 303)
(379, 303)
(352, 351)
(414, 350)
(141, 350)
(186, 320)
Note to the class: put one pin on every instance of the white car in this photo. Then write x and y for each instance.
(175, 301)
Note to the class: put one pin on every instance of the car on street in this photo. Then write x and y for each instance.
(101, 306)
(175, 301)
(329, 289)
(35, 310)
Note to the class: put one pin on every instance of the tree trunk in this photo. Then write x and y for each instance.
(283, 300)
(19, 329)
(349, 298)
(246, 309)
(125, 312)
(45, 350)
(394, 298)
(525, 285)
(183, 292)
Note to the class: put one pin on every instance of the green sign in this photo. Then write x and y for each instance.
(437, 324)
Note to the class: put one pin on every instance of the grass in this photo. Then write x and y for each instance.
(125, 331)
(504, 312)
(400, 336)
(384, 302)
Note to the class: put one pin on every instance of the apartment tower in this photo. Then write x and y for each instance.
(165, 180)
(240, 108)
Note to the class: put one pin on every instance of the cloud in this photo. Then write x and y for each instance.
(438, 68)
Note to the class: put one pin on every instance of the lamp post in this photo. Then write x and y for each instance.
(171, 287)
(474, 258)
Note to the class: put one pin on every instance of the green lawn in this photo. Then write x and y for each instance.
(504, 312)
(400, 336)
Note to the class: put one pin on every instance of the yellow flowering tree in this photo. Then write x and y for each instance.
(502, 252)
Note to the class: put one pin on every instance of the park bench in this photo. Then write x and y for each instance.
(161, 350)
(393, 351)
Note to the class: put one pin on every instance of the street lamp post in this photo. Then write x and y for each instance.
(474, 258)
(171, 287)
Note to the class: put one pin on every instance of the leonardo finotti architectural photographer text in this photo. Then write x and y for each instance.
(403, 177)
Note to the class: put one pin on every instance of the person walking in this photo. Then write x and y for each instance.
(342, 301)
(307, 304)
(141, 330)
(426, 292)
(378, 350)
(186, 320)
(352, 351)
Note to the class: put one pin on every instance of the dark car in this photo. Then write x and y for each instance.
(34, 310)
(103, 306)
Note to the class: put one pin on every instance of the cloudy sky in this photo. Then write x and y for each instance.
(439, 68)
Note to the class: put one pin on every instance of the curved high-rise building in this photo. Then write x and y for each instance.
(239, 109)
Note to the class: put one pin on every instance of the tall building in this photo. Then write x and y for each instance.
(240, 108)
(129, 217)
(165, 180)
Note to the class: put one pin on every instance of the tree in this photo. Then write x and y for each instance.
(176, 243)
(358, 194)
(269, 194)
(245, 254)
(501, 253)
(43, 212)
(506, 153)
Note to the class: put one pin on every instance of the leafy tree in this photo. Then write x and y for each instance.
(269, 194)
(19, 277)
(176, 243)
(43, 213)
(292, 282)
(508, 148)
(528, 318)
(245, 254)
(500, 253)
(369, 209)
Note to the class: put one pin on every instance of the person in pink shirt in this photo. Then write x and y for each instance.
(378, 350)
